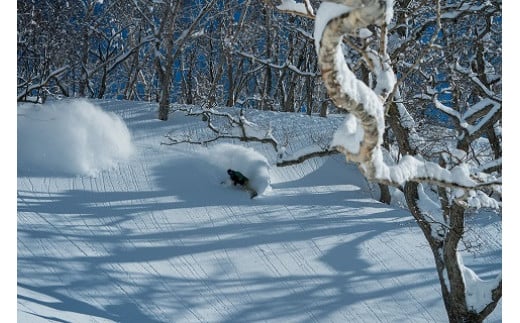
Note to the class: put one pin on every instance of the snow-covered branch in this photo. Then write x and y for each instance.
(301, 9)
(303, 155)
(42, 83)
(476, 119)
(238, 128)
(473, 77)
(277, 66)
(414, 169)
(360, 138)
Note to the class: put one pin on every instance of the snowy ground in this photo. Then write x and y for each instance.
(136, 231)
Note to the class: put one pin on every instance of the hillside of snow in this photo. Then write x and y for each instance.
(116, 225)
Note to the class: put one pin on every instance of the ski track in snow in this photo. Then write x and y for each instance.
(143, 243)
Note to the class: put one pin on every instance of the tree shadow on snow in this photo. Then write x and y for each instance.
(120, 253)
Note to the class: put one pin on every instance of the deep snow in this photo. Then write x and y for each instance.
(151, 235)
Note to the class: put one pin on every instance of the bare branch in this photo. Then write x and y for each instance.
(301, 158)
(42, 83)
(241, 124)
(420, 56)
(300, 9)
(496, 295)
(287, 65)
(244, 134)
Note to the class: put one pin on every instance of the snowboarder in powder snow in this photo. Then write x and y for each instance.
(239, 178)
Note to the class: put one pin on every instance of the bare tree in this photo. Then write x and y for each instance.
(456, 168)
(461, 162)
(75, 48)
(41, 70)
(172, 26)
(165, 51)
(462, 181)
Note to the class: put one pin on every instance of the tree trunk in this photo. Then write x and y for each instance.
(324, 108)
(164, 94)
(266, 103)
(385, 196)
(164, 102)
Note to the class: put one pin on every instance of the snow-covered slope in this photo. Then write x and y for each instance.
(153, 236)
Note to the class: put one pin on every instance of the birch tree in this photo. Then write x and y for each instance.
(463, 179)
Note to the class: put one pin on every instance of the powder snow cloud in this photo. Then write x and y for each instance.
(70, 137)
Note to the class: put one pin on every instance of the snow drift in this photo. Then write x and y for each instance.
(72, 137)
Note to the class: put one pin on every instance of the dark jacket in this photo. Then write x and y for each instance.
(237, 177)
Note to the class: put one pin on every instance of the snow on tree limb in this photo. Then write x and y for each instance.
(477, 109)
(305, 154)
(360, 139)
(302, 9)
(346, 91)
(473, 76)
(459, 182)
(269, 62)
(476, 120)
(240, 128)
(42, 83)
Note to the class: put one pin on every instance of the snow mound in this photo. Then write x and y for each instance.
(72, 137)
(248, 161)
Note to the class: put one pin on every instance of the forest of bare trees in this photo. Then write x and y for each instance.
(436, 67)
(210, 53)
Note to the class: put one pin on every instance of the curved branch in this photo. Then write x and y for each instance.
(42, 83)
(241, 124)
(345, 90)
(360, 140)
(496, 295)
(300, 9)
(301, 158)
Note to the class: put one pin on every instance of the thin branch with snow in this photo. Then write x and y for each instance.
(27, 91)
(301, 9)
(268, 62)
(240, 129)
